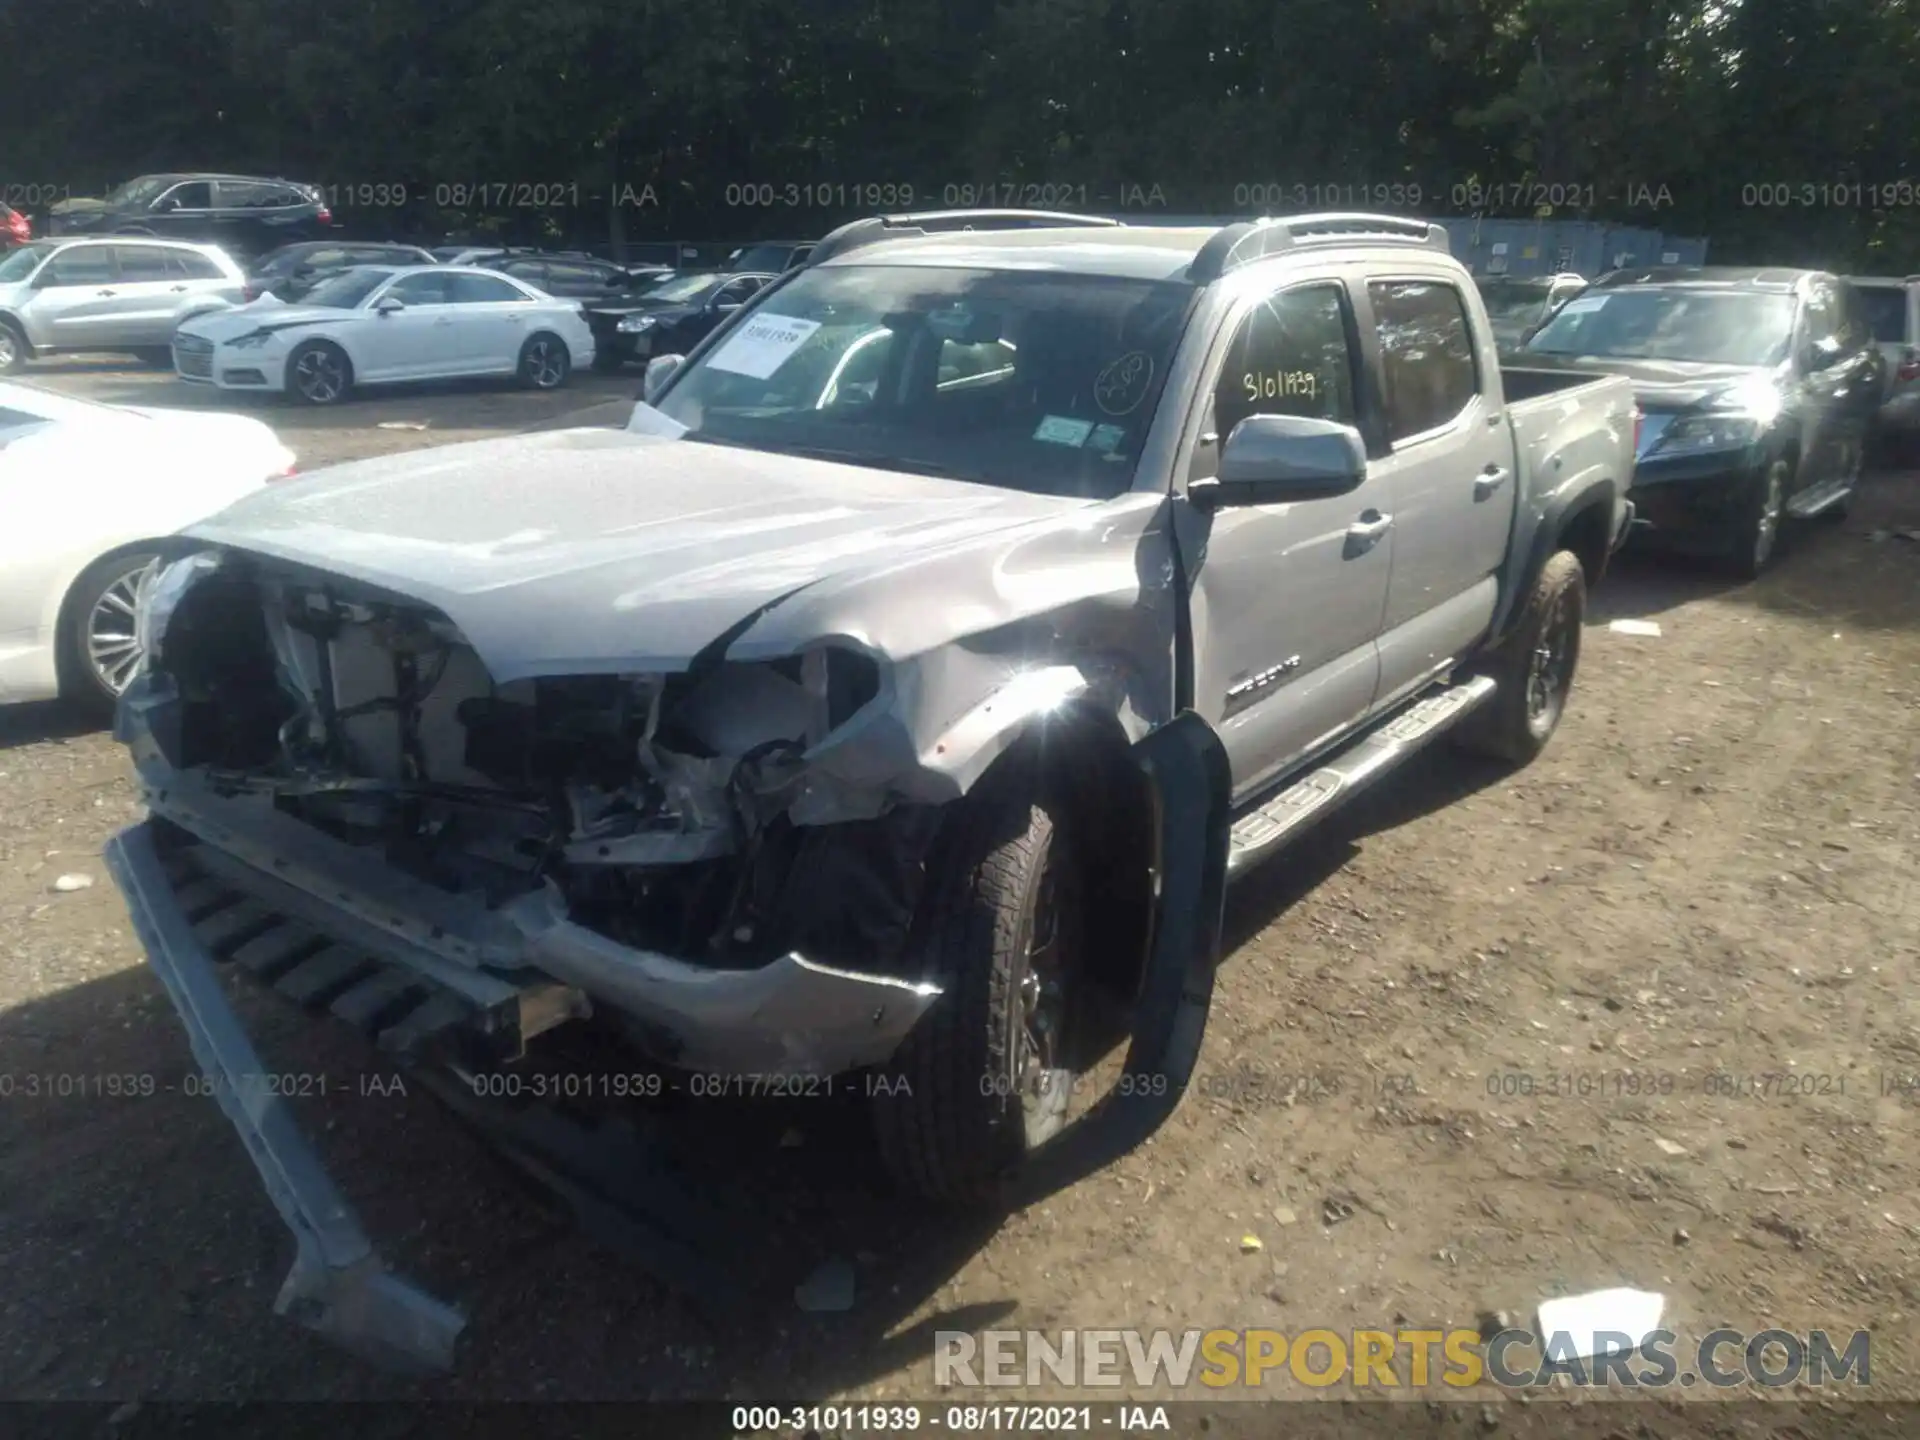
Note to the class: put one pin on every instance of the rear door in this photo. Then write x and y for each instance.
(490, 323)
(1287, 598)
(147, 298)
(1447, 479)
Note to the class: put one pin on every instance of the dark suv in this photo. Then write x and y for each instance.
(291, 271)
(244, 214)
(1758, 390)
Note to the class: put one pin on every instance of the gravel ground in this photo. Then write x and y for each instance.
(1461, 1056)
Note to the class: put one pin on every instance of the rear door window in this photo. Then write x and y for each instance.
(477, 289)
(426, 288)
(141, 264)
(1426, 354)
(193, 195)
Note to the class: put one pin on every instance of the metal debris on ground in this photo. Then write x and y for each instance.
(1594, 1323)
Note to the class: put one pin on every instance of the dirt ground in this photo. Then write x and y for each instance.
(1415, 1090)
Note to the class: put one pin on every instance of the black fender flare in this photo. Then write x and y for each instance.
(1548, 530)
(1186, 768)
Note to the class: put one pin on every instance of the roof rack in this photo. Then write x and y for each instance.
(1235, 245)
(859, 233)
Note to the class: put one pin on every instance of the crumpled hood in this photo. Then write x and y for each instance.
(582, 551)
(269, 312)
(1666, 386)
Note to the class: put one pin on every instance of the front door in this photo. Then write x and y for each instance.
(76, 300)
(416, 341)
(1287, 599)
(1448, 480)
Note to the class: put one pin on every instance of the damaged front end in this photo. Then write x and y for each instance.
(665, 844)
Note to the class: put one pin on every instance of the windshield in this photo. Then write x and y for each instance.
(346, 290)
(1028, 380)
(1886, 308)
(139, 192)
(1656, 322)
(19, 264)
(686, 288)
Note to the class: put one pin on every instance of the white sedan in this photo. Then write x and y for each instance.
(87, 491)
(376, 324)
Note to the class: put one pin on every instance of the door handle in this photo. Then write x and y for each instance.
(103, 294)
(177, 289)
(1364, 533)
(1488, 481)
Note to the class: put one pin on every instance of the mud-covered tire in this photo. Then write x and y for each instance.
(952, 1111)
(1534, 668)
(14, 349)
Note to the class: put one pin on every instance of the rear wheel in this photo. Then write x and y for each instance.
(545, 362)
(1534, 669)
(989, 1073)
(99, 651)
(319, 373)
(13, 347)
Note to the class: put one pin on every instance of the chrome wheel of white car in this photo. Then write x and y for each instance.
(13, 348)
(101, 647)
(544, 362)
(319, 373)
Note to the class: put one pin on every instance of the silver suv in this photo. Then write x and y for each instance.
(121, 295)
(1893, 311)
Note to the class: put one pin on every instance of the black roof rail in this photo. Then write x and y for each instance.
(1235, 245)
(858, 233)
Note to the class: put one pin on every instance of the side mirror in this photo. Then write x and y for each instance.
(387, 304)
(659, 370)
(1274, 459)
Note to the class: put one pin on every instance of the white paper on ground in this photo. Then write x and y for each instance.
(1635, 627)
(762, 345)
(1595, 1323)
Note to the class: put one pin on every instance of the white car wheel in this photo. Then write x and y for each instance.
(319, 373)
(545, 362)
(13, 348)
(103, 652)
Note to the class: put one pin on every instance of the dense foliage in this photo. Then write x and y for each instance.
(1786, 130)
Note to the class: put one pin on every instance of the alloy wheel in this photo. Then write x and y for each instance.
(319, 376)
(1766, 530)
(544, 365)
(113, 648)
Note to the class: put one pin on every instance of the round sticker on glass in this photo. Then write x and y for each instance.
(1120, 388)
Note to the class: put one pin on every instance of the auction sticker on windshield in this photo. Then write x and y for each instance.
(1585, 305)
(762, 345)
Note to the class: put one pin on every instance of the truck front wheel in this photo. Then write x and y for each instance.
(1534, 668)
(988, 1074)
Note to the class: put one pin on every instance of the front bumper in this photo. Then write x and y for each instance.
(338, 1285)
(1692, 499)
(791, 1017)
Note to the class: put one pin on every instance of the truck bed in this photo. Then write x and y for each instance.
(1521, 384)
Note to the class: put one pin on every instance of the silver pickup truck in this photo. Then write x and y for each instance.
(897, 691)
